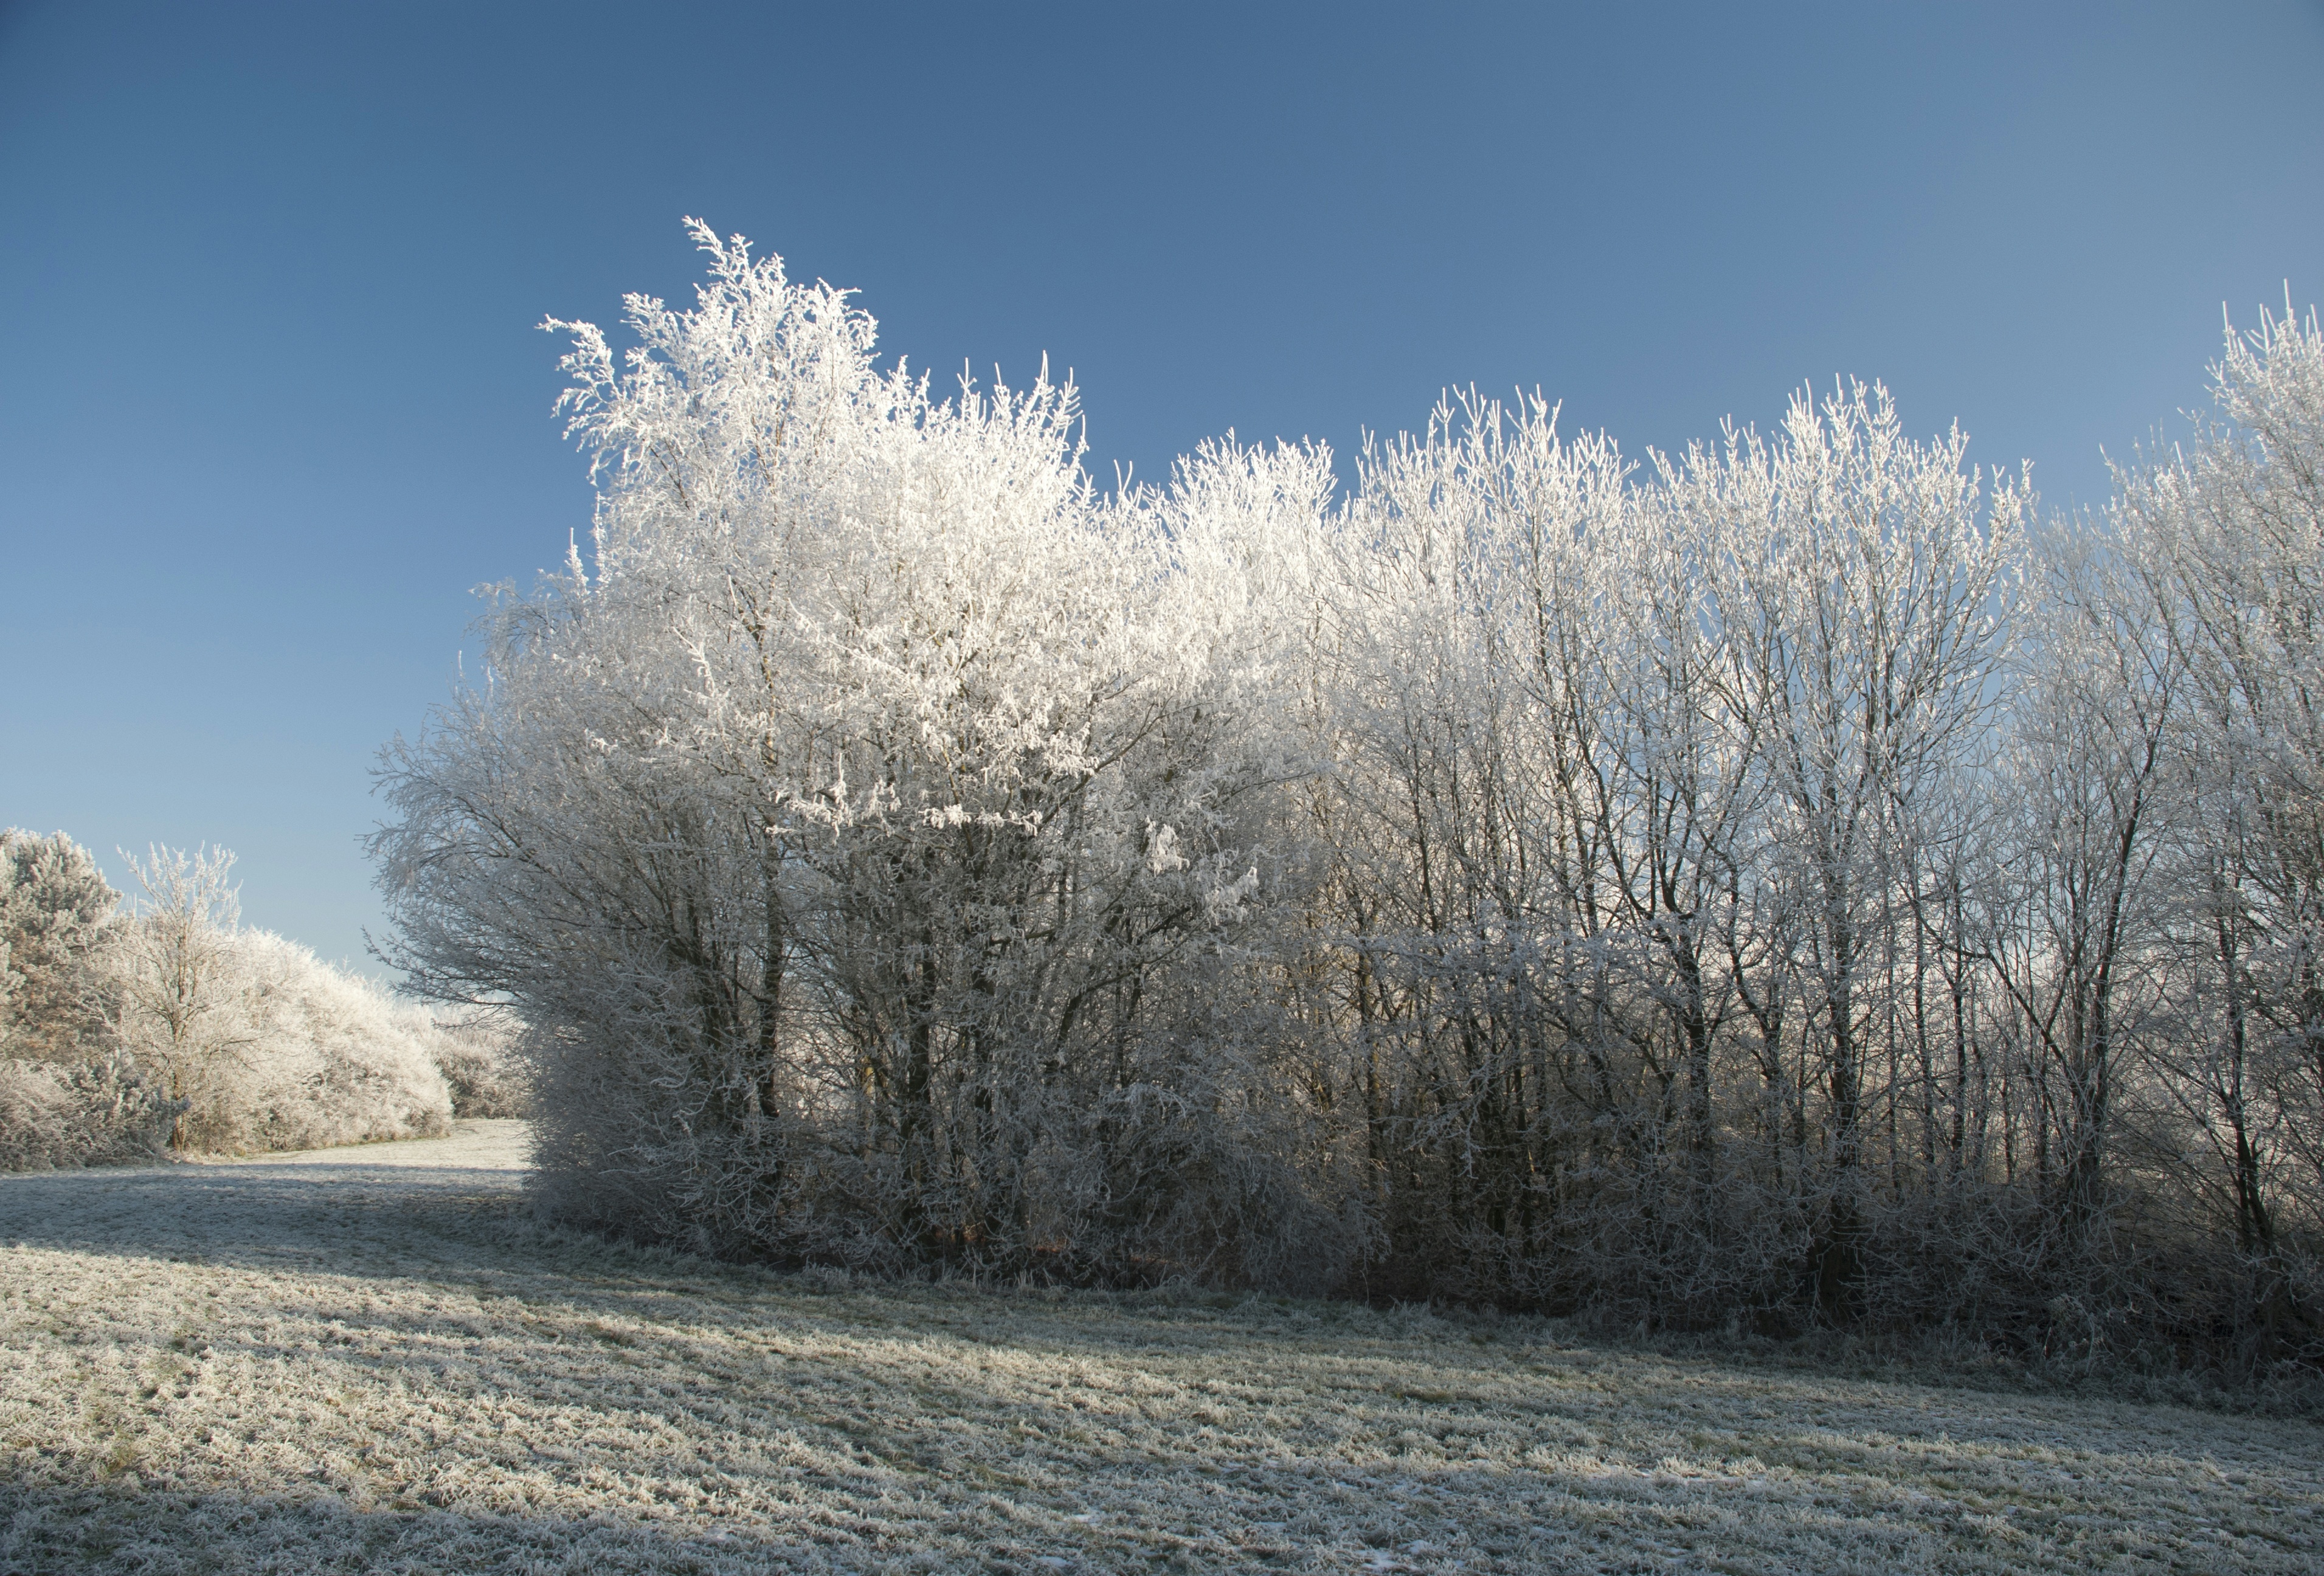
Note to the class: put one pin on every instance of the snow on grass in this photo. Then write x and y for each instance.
(369, 1359)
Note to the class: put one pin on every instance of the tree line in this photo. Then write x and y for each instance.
(1789, 881)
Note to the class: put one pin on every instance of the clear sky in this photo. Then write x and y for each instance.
(272, 401)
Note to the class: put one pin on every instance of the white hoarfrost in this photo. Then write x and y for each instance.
(328, 1058)
(1780, 881)
(265, 1046)
(371, 1359)
(857, 830)
(173, 1026)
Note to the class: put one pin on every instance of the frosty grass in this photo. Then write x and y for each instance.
(369, 1358)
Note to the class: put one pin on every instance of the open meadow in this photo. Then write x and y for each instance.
(370, 1359)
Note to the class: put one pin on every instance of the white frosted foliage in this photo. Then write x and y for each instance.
(1782, 880)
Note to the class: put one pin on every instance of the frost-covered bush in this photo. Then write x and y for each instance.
(330, 1058)
(478, 1055)
(259, 1044)
(299, 1055)
(55, 1114)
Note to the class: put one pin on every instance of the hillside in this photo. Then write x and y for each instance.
(369, 1358)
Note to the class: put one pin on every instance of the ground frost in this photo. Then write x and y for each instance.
(368, 1359)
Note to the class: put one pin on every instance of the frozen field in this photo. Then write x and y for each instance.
(368, 1359)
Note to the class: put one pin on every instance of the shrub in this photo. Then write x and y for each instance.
(295, 1054)
(477, 1056)
(58, 1114)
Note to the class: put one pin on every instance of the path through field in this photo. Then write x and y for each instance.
(369, 1359)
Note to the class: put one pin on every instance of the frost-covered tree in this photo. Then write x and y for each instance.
(839, 829)
(2077, 915)
(303, 1055)
(1867, 592)
(67, 1096)
(176, 1007)
(2227, 533)
(1658, 776)
(258, 1043)
(55, 908)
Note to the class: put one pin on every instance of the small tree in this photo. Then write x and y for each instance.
(177, 1007)
(55, 911)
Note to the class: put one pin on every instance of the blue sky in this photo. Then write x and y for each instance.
(272, 401)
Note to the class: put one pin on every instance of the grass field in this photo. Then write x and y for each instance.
(369, 1359)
